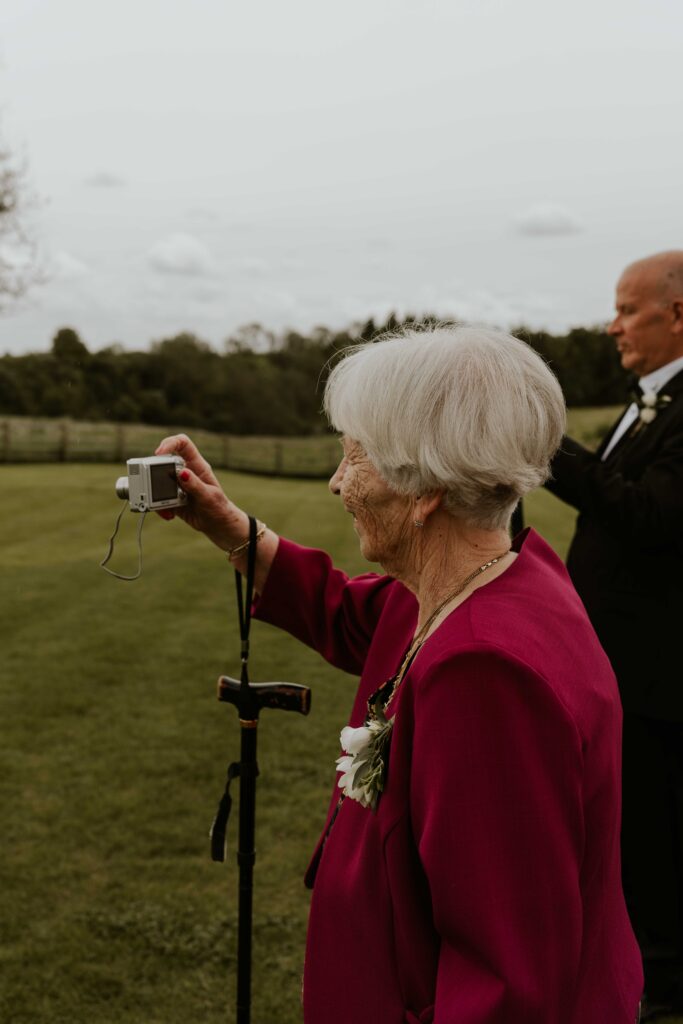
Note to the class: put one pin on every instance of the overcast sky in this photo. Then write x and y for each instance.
(203, 165)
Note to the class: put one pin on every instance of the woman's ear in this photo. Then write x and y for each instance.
(426, 504)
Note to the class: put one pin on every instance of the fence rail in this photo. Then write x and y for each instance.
(24, 439)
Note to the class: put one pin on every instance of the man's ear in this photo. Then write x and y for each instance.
(677, 316)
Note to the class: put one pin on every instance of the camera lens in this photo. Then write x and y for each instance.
(122, 487)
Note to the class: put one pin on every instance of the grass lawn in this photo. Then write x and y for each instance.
(114, 752)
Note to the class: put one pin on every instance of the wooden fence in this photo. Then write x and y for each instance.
(24, 439)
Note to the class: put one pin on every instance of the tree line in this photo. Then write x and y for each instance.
(260, 383)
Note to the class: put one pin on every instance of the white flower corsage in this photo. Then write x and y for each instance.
(649, 404)
(364, 763)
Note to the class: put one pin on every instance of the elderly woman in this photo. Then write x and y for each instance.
(468, 872)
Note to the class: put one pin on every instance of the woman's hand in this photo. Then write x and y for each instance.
(211, 512)
(208, 509)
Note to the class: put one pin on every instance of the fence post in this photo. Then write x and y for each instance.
(63, 448)
(119, 442)
(279, 460)
(5, 440)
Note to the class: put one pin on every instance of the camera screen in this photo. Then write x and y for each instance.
(163, 480)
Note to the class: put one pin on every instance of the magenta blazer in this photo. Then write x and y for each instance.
(486, 888)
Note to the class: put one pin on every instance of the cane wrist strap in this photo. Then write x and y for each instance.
(220, 822)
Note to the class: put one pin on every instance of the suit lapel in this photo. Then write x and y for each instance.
(674, 388)
(610, 434)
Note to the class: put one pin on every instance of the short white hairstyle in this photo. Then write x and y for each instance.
(467, 410)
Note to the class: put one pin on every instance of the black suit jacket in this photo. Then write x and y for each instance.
(626, 558)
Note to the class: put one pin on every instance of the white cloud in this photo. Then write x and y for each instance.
(292, 263)
(204, 215)
(14, 257)
(547, 219)
(104, 179)
(276, 300)
(455, 301)
(207, 291)
(252, 265)
(66, 267)
(180, 254)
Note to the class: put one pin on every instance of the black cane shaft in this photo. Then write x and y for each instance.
(517, 522)
(245, 858)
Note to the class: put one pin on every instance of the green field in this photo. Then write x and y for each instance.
(114, 752)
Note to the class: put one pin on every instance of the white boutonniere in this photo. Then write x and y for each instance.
(363, 765)
(649, 405)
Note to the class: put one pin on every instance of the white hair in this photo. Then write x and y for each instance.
(471, 411)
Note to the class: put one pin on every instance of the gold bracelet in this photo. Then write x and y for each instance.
(261, 529)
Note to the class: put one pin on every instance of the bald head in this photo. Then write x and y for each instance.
(663, 271)
(648, 327)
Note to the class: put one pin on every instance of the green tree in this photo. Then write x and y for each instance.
(275, 388)
(68, 347)
(12, 398)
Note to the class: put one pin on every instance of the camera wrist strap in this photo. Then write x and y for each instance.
(110, 552)
(244, 603)
(237, 768)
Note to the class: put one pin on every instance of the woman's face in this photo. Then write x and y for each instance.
(381, 517)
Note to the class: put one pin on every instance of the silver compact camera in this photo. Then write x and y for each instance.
(151, 483)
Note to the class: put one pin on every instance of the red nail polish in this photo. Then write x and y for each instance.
(184, 475)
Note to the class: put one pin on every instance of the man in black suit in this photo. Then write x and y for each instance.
(626, 562)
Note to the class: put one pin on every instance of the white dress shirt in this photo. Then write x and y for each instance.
(651, 382)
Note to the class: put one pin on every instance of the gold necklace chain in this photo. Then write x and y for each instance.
(422, 635)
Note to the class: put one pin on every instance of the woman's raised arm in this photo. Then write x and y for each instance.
(212, 513)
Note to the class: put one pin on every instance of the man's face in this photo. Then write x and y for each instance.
(644, 326)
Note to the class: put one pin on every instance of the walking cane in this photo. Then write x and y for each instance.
(249, 699)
